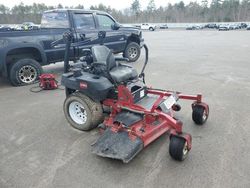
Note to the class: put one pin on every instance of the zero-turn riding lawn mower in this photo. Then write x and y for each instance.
(136, 114)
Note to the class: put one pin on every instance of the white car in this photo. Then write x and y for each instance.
(224, 27)
(147, 26)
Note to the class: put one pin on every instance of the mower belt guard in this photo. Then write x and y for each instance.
(117, 146)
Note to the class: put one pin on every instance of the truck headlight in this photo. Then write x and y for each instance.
(140, 34)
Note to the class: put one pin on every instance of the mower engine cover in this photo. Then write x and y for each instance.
(95, 87)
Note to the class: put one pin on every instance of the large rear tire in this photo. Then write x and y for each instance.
(132, 52)
(82, 112)
(24, 72)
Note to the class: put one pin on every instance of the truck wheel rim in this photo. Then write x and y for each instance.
(27, 74)
(132, 52)
(77, 112)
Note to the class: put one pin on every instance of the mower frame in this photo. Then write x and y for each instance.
(146, 130)
(152, 123)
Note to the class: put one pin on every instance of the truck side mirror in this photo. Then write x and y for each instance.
(115, 26)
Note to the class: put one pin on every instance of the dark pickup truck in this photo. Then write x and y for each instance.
(23, 53)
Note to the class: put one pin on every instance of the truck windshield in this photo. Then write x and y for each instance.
(55, 20)
(105, 22)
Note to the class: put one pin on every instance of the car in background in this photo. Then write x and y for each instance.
(136, 25)
(224, 27)
(248, 27)
(234, 26)
(17, 27)
(148, 26)
(163, 26)
(189, 27)
(29, 26)
(194, 27)
(211, 26)
(243, 25)
(200, 26)
(5, 28)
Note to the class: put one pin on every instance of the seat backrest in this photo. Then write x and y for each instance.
(102, 54)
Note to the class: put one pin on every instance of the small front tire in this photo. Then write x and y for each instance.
(199, 114)
(178, 148)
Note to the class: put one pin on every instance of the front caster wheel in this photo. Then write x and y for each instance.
(178, 148)
(200, 114)
(81, 112)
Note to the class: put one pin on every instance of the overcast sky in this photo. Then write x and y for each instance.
(117, 4)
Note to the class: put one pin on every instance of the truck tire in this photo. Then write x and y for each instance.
(24, 72)
(151, 29)
(132, 51)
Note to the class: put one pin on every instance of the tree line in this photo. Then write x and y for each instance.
(216, 11)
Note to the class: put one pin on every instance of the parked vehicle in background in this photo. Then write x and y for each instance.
(243, 25)
(224, 27)
(17, 27)
(239, 26)
(22, 53)
(163, 26)
(148, 26)
(5, 28)
(234, 26)
(189, 27)
(211, 26)
(194, 27)
(29, 26)
(248, 27)
(199, 26)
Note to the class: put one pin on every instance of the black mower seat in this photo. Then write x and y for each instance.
(118, 72)
(123, 73)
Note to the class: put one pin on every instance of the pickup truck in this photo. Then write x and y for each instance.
(148, 26)
(23, 53)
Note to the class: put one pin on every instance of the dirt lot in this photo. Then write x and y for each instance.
(39, 149)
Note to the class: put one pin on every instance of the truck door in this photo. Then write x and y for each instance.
(86, 31)
(53, 25)
(115, 39)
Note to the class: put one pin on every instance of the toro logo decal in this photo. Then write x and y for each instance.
(83, 85)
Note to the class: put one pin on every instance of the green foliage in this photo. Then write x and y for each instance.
(151, 6)
(136, 7)
(217, 10)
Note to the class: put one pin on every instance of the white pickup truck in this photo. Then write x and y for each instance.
(148, 26)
